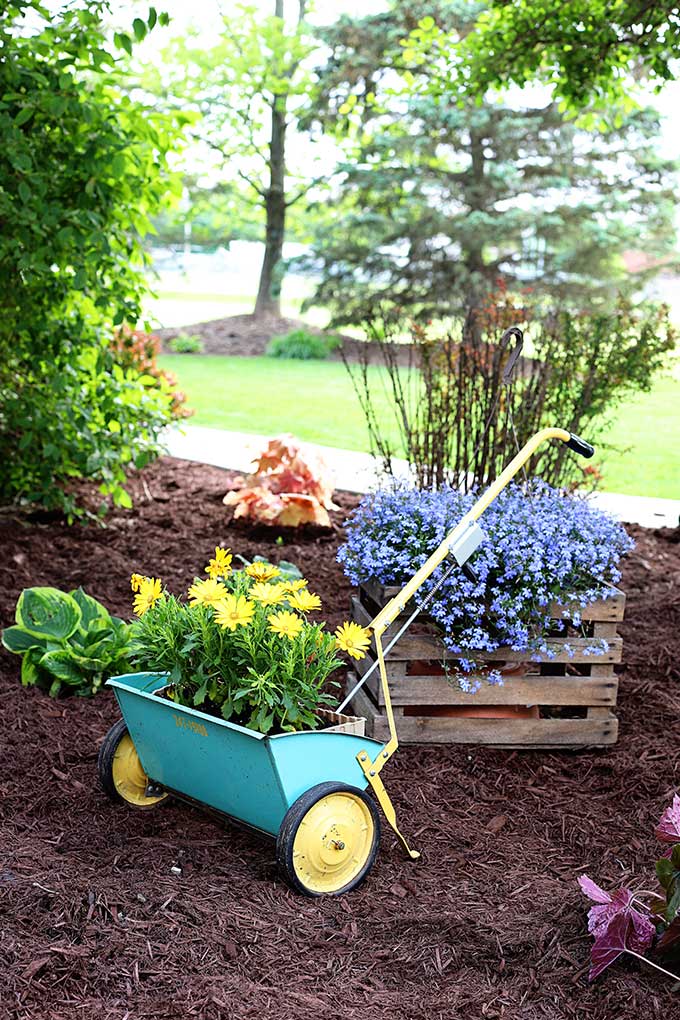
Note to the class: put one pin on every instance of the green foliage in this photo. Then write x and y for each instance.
(186, 343)
(301, 345)
(590, 51)
(246, 94)
(249, 675)
(458, 418)
(67, 641)
(440, 198)
(82, 167)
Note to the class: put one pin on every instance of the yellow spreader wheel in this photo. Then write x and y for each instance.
(121, 773)
(328, 840)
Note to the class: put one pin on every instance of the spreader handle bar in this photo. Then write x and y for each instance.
(459, 545)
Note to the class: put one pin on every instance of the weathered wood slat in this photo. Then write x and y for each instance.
(430, 646)
(599, 731)
(422, 695)
(528, 690)
(604, 609)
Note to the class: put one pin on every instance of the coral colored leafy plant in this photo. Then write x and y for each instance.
(244, 646)
(290, 486)
(634, 922)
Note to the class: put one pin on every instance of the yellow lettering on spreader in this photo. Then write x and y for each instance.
(189, 724)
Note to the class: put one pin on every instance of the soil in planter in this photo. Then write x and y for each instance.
(169, 914)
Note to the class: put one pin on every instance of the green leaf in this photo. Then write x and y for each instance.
(61, 664)
(139, 28)
(200, 695)
(48, 612)
(30, 674)
(92, 612)
(24, 115)
(18, 640)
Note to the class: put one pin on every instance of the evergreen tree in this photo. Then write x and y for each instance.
(442, 197)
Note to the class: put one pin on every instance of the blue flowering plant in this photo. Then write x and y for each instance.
(543, 547)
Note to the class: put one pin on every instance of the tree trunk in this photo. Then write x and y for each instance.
(268, 300)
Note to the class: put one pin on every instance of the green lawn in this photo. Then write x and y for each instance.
(316, 401)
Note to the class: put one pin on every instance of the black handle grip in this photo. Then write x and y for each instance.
(579, 445)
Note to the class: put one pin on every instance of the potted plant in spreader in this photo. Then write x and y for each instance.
(229, 710)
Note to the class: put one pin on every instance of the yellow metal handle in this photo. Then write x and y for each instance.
(396, 605)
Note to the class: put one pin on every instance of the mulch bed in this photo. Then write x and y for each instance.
(490, 923)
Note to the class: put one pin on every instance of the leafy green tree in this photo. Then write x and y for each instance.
(442, 197)
(588, 50)
(81, 168)
(248, 91)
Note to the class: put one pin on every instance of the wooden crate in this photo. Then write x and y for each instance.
(571, 698)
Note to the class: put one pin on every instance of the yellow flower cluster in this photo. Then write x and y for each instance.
(220, 564)
(148, 591)
(233, 611)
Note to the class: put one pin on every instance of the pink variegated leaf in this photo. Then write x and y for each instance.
(668, 829)
(609, 945)
(615, 924)
(593, 890)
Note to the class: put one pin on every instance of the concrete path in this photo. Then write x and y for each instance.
(359, 472)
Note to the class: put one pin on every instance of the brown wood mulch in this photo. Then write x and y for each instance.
(94, 922)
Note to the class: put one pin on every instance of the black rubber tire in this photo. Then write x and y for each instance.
(105, 760)
(291, 823)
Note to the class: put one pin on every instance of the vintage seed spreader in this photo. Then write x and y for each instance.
(306, 789)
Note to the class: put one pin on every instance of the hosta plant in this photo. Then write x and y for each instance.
(67, 641)
(289, 487)
(542, 547)
(244, 645)
(636, 921)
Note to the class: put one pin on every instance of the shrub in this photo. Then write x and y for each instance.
(244, 647)
(302, 346)
(568, 553)
(185, 343)
(290, 487)
(82, 166)
(459, 418)
(67, 641)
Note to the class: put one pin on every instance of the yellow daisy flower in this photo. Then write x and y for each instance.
(304, 601)
(285, 624)
(206, 593)
(353, 639)
(267, 594)
(220, 564)
(234, 611)
(292, 586)
(150, 590)
(137, 580)
(261, 571)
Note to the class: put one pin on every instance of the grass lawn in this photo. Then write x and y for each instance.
(316, 401)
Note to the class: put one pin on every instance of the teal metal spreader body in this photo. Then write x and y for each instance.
(250, 776)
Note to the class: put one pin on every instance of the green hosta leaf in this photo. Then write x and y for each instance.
(30, 673)
(18, 640)
(62, 665)
(91, 610)
(48, 612)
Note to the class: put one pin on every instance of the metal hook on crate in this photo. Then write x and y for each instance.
(515, 352)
